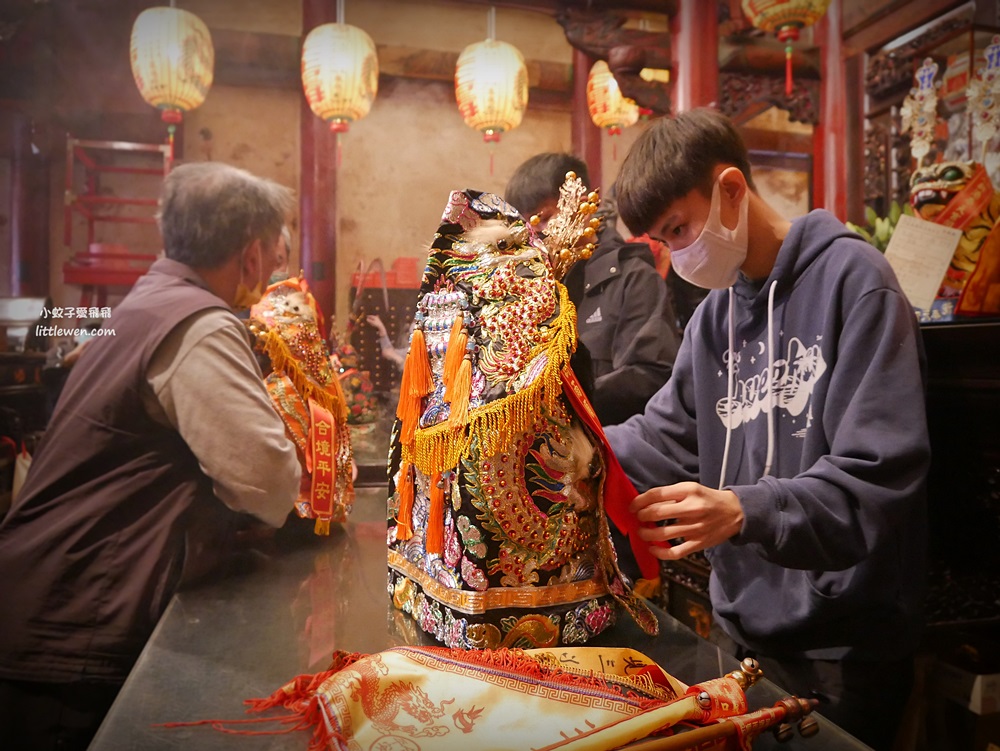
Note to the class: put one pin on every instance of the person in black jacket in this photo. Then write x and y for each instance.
(624, 315)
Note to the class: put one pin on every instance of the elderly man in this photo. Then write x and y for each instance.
(162, 424)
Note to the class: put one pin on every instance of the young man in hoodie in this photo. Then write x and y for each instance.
(624, 315)
(790, 444)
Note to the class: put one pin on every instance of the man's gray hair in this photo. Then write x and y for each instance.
(210, 211)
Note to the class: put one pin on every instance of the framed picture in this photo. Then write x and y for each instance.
(784, 180)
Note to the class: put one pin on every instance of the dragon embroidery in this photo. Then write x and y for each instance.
(505, 272)
(538, 514)
(385, 705)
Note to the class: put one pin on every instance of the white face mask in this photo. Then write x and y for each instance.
(714, 259)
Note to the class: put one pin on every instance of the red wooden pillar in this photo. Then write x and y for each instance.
(318, 183)
(586, 136)
(830, 135)
(694, 46)
(29, 256)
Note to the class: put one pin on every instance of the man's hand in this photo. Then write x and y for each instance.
(703, 517)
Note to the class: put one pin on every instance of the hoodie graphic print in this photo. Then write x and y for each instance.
(787, 384)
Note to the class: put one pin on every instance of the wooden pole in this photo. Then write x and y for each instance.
(585, 135)
(695, 51)
(318, 184)
(830, 135)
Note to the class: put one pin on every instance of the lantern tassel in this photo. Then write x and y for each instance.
(788, 70)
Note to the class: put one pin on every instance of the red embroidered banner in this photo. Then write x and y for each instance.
(323, 442)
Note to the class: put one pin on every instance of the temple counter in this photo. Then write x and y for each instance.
(291, 607)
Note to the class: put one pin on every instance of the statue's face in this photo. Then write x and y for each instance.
(932, 187)
(289, 305)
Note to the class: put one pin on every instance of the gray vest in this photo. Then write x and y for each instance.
(93, 548)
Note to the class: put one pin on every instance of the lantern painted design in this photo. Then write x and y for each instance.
(785, 18)
(173, 61)
(608, 108)
(339, 73)
(491, 87)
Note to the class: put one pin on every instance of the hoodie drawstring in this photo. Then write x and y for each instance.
(770, 385)
(729, 392)
(770, 379)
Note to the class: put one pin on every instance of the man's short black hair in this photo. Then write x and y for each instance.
(539, 179)
(674, 156)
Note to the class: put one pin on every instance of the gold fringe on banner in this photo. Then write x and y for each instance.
(330, 396)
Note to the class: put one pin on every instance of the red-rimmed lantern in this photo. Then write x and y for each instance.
(173, 61)
(491, 87)
(785, 18)
(608, 108)
(339, 73)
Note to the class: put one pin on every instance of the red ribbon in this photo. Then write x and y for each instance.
(323, 442)
(618, 489)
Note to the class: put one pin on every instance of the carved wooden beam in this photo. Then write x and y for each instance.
(602, 36)
(890, 74)
(626, 64)
(740, 94)
(553, 7)
(777, 141)
(598, 32)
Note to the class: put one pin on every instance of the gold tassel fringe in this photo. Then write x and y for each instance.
(330, 397)
(495, 425)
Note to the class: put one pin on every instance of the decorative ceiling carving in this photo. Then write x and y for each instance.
(602, 35)
(890, 73)
(626, 63)
(740, 92)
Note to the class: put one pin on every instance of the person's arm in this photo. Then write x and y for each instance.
(208, 383)
(389, 351)
(645, 346)
(656, 448)
(660, 446)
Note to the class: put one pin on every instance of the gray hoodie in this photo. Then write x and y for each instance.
(804, 395)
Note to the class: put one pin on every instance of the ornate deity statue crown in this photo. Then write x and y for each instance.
(573, 223)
